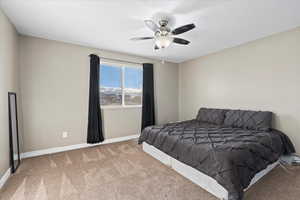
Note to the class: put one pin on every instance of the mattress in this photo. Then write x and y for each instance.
(197, 177)
(231, 156)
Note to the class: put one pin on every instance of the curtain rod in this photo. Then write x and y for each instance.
(119, 60)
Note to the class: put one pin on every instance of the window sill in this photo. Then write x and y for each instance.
(119, 107)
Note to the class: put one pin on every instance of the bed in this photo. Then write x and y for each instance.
(223, 151)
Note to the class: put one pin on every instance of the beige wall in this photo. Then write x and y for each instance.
(54, 85)
(8, 82)
(261, 75)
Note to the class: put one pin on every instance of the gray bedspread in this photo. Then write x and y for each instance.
(232, 156)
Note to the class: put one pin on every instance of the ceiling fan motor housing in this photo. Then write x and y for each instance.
(163, 22)
(163, 30)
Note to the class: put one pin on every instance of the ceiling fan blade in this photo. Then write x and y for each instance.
(183, 29)
(156, 47)
(181, 41)
(152, 25)
(141, 38)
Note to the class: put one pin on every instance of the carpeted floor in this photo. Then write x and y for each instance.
(122, 171)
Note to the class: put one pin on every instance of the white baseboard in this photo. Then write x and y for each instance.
(5, 177)
(73, 147)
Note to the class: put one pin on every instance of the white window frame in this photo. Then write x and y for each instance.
(121, 65)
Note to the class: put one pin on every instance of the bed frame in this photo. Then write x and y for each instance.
(197, 177)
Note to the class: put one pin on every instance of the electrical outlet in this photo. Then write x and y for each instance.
(64, 134)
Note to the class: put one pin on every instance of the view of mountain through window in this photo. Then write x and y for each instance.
(113, 87)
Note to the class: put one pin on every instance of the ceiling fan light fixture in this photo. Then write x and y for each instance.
(163, 41)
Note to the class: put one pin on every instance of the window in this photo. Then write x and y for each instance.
(133, 83)
(110, 85)
(120, 85)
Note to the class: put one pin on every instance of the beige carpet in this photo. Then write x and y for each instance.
(122, 171)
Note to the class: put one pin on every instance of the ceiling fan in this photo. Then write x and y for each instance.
(163, 35)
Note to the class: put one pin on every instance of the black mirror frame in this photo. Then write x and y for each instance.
(13, 167)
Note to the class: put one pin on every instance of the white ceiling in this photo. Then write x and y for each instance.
(108, 24)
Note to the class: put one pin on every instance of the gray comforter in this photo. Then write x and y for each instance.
(232, 156)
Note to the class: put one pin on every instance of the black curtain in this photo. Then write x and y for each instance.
(95, 134)
(148, 116)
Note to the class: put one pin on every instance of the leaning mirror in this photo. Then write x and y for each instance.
(13, 131)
